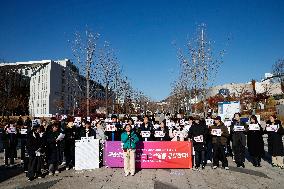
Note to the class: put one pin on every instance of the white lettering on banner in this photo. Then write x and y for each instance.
(209, 122)
(159, 134)
(272, 128)
(146, 134)
(24, 131)
(198, 138)
(87, 153)
(110, 127)
(181, 122)
(216, 132)
(239, 128)
(254, 127)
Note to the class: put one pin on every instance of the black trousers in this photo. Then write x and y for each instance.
(239, 153)
(34, 167)
(200, 158)
(219, 155)
(23, 148)
(70, 156)
(10, 154)
(256, 160)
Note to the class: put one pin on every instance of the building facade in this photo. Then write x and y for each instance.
(56, 87)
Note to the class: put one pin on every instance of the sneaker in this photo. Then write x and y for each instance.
(215, 167)
(29, 179)
(126, 174)
(226, 168)
(63, 163)
(203, 167)
(56, 172)
(50, 174)
(132, 174)
(39, 177)
(209, 161)
(67, 168)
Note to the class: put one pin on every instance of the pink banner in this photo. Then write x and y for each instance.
(164, 154)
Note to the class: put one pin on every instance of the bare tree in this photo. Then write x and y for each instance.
(83, 48)
(108, 73)
(278, 72)
(199, 64)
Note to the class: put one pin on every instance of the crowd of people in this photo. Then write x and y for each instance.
(48, 144)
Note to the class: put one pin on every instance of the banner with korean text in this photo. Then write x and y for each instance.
(164, 154)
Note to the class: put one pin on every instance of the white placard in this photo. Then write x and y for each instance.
(88, 138)
(216, 132)
(198, 138)
(134, 119)
(77, 121)
(110, 127)
(11, 130)
(60, 137)
(156, 126)
(24, 131)
(87, 154)
(138, 123)
(89, 119)
(146, 134)
(209, 122)
(177, 133)
(239, 128)
(272, 128)
(181, 122)
(94, 123)
(254, 127)
(168, 122)
(159, 134)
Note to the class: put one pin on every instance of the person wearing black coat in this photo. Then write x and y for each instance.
(69, 145)
(255, 142)
(24, 130)
(87, 131)
(275, 144)
(165, 130)
(115, 135)
(53, 149)
(10, 142)
(147, 126)
(198, 133)
(239, 140)
(35, 147)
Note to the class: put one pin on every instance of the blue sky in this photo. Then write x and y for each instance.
(142, 32)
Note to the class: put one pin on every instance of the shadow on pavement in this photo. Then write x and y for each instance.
(9, 172)
(44, 185)
(249, 172)
(160, 185)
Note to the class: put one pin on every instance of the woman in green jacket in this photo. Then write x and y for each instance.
(129, 140)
